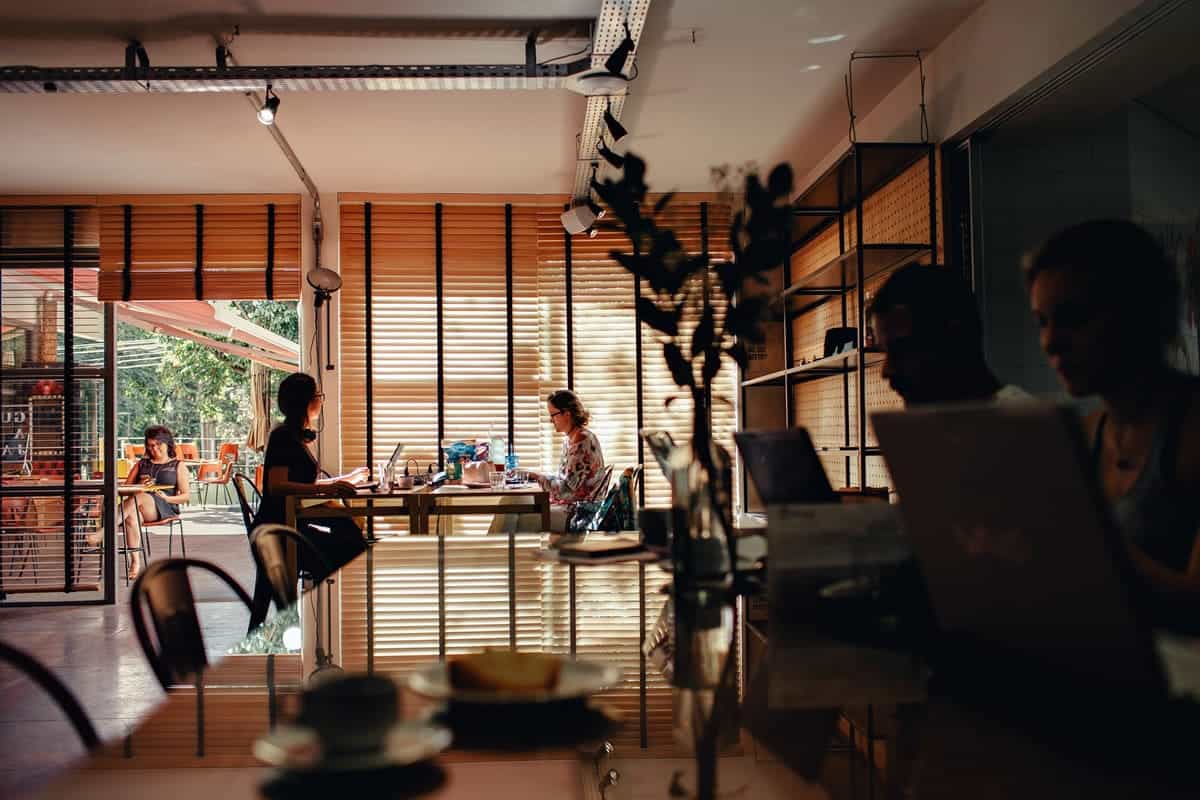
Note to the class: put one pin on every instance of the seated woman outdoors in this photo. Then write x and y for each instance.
(1107, 303)
(580, 467)
(289, 468)
(158, 467)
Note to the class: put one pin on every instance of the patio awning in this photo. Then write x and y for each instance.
(195, 320)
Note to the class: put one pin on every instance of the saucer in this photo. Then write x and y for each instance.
(298, 748)
(577, 679)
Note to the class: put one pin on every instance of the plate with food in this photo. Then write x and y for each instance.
(513, 677)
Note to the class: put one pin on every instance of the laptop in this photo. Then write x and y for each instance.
(785, 467)
(1022, 560)
(372, 486)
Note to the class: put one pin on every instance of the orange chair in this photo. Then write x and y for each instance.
(134, 452)
(218, 473)
(188, 451)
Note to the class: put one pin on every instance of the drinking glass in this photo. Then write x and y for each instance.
(496, 478)
(381, 474)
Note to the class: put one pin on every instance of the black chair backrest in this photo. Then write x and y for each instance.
(166, 592)
(56, 689)
(243, 486)
(268, 543)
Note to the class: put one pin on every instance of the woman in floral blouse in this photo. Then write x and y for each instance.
(581, 466)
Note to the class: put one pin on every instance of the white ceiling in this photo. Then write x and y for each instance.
(751, 87)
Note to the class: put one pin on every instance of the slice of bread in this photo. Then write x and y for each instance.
(505, 671)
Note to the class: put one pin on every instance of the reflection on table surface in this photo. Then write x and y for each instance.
(199, 741)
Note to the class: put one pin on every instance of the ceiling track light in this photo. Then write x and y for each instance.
(270, 107)
(616, 130)
(615, 63)
(617, 161)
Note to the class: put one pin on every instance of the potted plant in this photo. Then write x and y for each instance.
(704, 318)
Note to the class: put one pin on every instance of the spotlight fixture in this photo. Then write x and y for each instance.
(595, 208)
(593, 233)
(577, 219)
(608, 80)
(617, 161)
(615, 129)
(615, 63)
(270, 107)
(136, 56)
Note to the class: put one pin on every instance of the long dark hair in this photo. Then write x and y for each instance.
(160, 433)
(296, 392)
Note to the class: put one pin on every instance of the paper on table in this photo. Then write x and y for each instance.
(808, 546)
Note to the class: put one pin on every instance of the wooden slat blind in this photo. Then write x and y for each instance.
(230, 235)
(404, 407)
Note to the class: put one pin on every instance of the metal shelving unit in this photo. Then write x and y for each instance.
(837, 198)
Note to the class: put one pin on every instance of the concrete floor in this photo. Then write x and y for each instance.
(94, 650)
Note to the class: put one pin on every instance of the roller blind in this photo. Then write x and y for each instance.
(203, 247)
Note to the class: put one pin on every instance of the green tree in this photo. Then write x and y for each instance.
(195, 384)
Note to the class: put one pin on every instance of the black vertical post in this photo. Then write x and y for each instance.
(508, 295)
(841, 221)
(199, 251)
(570, 311)
(127, 271)
(68, 400)
(110, 452)
(861, 321)
(637, 364)
(932, 155)
(370, 400)
(441, 343)
(367, 316)
(271, 262)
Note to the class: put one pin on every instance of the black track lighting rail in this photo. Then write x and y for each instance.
(376, 77)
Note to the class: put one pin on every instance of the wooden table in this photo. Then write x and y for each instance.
(420, 504)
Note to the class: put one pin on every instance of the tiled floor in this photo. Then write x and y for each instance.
(94, 650)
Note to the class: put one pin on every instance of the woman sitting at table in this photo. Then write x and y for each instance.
(158, 467)
(581, 463)
(580, 467)
(1106, 300)
(289, 468)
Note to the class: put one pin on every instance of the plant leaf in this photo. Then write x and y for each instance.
(739, 355)
(663, 202)
(702, 337)
(663, 320)
(712, 365)
(681, 368)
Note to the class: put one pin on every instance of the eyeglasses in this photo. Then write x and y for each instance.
(556, 413)
(319, 396)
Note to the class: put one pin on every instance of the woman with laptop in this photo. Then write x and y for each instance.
(290, 468)
(1107, 303)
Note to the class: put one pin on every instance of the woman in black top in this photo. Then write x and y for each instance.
(159, 467)
(289, 468)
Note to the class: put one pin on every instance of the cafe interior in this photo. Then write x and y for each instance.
(691, 399)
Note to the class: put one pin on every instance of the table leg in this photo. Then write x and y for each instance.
(543, 504)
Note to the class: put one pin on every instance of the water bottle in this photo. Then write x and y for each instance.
(510, 465)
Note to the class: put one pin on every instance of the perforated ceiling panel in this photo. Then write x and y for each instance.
(610, 31)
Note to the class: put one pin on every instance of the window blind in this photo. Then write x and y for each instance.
(390, 376)
(203, 247)
(52, 400)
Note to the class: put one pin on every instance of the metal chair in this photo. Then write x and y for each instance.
(602, 487)
(268, 543)
(44, 678)
(166, 592)
(262, 589)
(170, 522)
(218, 473)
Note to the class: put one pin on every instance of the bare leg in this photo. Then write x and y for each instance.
(133, 531)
